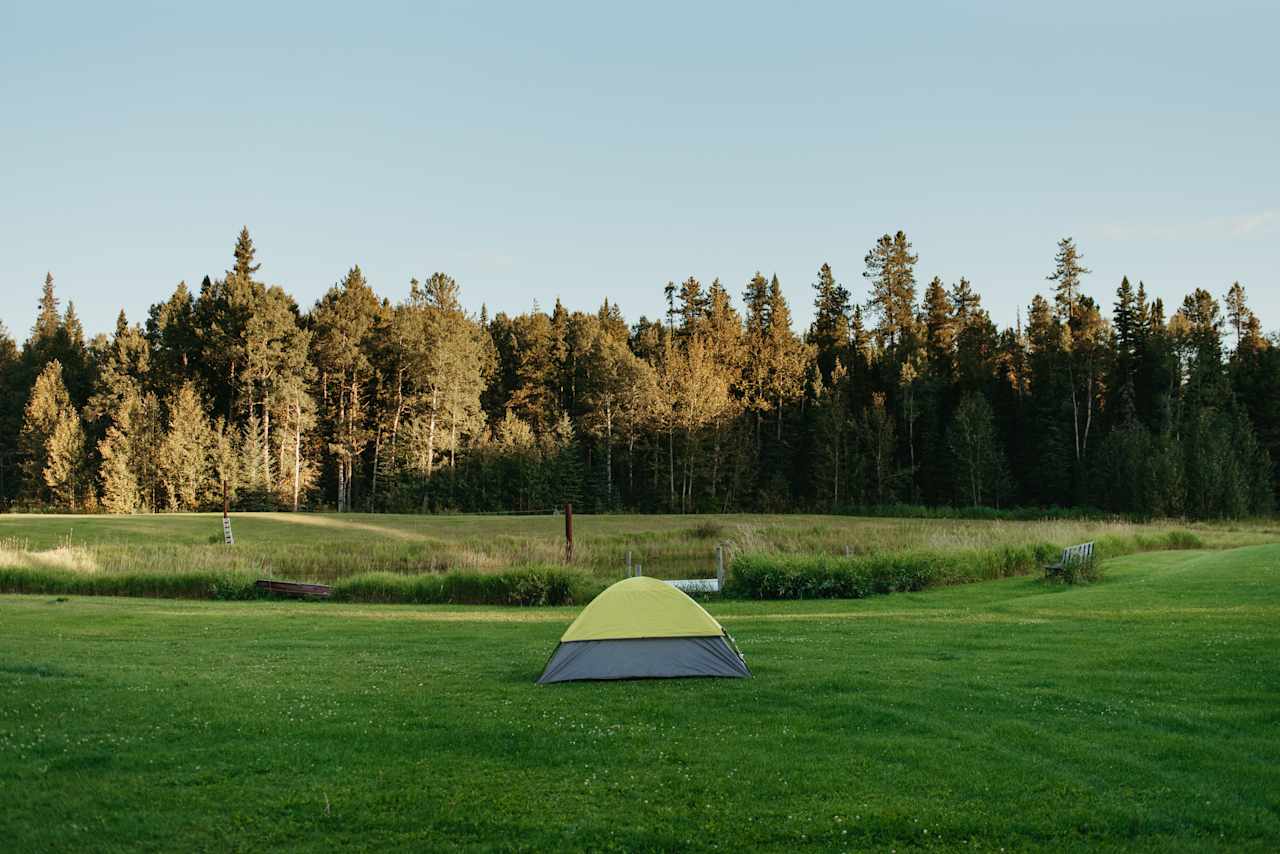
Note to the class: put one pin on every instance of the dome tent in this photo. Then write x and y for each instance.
(643, 628)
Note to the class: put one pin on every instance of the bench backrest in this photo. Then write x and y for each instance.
(1082, 553)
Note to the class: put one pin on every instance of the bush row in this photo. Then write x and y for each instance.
(524, 586)
(756, 576)
(178, 585)
(773, 576)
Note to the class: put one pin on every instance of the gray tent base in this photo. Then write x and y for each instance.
(644, 658)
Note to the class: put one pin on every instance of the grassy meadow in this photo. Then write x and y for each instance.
(330, 548)
(1137, 714)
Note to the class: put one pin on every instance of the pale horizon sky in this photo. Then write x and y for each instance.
(580, 151)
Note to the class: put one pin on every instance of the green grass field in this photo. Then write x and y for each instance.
(328, 547)
(1141, 713)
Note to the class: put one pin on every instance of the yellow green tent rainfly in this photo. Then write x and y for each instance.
(643, 628)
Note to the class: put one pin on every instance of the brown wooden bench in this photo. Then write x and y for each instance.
(294, 589)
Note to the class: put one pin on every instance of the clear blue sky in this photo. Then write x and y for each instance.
(585, 150)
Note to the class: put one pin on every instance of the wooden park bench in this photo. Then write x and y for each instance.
(1071, 556)
(294, 589)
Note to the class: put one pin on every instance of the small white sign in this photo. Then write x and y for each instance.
(226, 531)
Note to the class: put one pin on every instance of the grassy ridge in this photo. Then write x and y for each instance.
(1138, 715)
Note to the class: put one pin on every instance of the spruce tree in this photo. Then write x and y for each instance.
(1238, 314)
(185, 453)
(65, 472)
(118, 475)
(829, 332)
(1067, 275)
(939, 328)
(48, 320)
(45, 409)
(174, 340)
(10, 416)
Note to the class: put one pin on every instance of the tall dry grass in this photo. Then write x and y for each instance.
(134, 553)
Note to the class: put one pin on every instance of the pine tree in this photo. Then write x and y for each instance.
(891, 273)
(981, 470)
(877, 440)
(964, 300)
(185, 453)
(614, 377)
(48, 321)
(832, 439)
(939, 328)
(174, 340)
(1238, 314)
(1068, 273)
(64, 473)
(343, 324)
(1083, 334)
(1126, 320)
(275, 366)
(693, 306)
(48, 406)
(1197, 329)
(785, 354)
(754, 385)
(118, 475)
(829, 332)
(10, 416)
(244, 256)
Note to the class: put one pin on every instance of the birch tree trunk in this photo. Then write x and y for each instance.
(608, 451)
(297, 448)
(377, 453)
(266, 442)
(431, 447)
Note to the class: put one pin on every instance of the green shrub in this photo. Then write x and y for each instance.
(819, 576)
(524, 586)
(184, 585)
(827, 577)
(1085, 571)
(707, 530)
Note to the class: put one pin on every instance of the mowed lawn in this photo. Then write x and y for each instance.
(1140, 713)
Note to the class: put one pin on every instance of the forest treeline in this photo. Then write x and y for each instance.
(901, 394)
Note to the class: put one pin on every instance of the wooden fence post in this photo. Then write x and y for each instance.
(568, 532)
(720, 566)
(628, 563)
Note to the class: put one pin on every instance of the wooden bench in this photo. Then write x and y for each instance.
(1071, 556)
(294, 589)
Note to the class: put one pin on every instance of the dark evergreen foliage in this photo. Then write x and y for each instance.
(364, 403)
